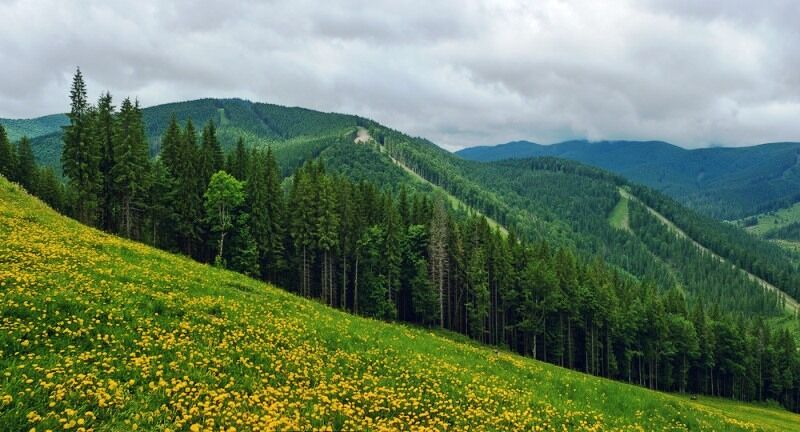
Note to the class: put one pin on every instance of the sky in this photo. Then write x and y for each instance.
(460, 73)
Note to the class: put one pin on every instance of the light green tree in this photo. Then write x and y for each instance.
(224, 194)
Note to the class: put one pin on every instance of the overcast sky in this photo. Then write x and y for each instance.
(695, 73)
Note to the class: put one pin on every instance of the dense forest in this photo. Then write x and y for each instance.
(722, 182)
(405, 253)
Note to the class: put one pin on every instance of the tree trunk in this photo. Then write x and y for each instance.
(355, 288)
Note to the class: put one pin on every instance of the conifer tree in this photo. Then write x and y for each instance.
(437, 250)
(301, 224)
(129, 172)
(211, 157)
(238, 162)
(160, 201)
(188, 186)
(104, 134)
(50, 189)
(80, 157)
(26, 165)
(171, 144)
(7, 159)
(244, 250)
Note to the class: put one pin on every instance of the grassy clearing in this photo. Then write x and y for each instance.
(774, 220)
(619, 217)
(107, 334)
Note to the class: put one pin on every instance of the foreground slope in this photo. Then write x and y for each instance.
(723, 182)
(103, 333)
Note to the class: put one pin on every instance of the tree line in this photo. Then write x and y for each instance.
(407, 255)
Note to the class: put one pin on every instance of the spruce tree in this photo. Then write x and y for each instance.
(188, 187)
(49, 189)
(160, 201)
(238, 161)
(211, 157)
(129, 172)
(80, 156)
(104, 134)
(171, 147)
(265, 205)
(26, 166)
(7, 159)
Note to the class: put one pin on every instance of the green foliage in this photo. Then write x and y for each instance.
(223, 196)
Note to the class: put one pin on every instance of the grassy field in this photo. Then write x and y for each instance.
(105, 334)
(773, 220)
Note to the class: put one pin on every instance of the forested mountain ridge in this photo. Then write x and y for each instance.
(551, 200)
(727, 183)
(350, 212)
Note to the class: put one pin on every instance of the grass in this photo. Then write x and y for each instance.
(102, 333)
(620, 217)
(774, 220)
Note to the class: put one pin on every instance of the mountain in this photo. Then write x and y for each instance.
(109, 334)
(726, 183)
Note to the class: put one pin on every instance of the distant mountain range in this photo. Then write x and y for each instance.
(723, 182)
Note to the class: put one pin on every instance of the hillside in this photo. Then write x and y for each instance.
(109, 334)
(727, 183)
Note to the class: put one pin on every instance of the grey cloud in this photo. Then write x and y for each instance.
(459, 73)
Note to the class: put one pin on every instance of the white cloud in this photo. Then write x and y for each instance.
(693, 73)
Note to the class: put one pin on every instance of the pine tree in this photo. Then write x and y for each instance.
(26, 166)
(80, 157)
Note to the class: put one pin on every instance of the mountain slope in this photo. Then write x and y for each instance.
(105, 333)
(722, 182)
